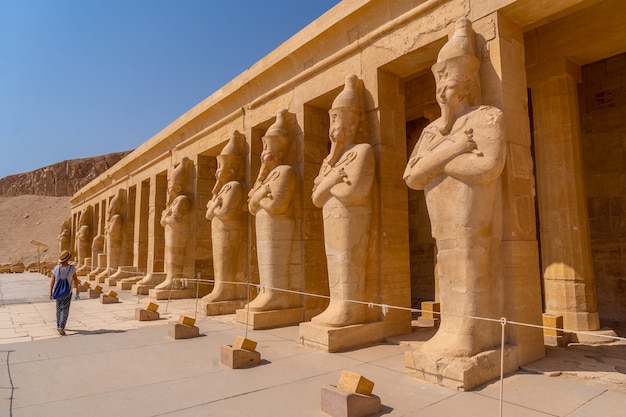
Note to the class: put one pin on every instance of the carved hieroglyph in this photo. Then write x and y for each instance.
(225, 210)
(458, 161)
(271, 201)
(343, 189)
(114, 233)
(176, 220)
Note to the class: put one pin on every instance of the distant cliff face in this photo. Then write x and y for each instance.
(62, 179)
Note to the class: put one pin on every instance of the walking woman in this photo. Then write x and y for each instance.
(63, 276)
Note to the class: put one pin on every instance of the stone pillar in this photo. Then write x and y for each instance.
(565, 245)
(394, 249)
(140, 255)
(521, 283)
(156, 235)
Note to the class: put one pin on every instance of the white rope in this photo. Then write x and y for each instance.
(385, 308)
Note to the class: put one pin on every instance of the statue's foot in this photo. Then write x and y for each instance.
(340, 314)
(218, 295)
(169, 284)
(132, 280)
(274, 300)
(153, 279)
(444, 345)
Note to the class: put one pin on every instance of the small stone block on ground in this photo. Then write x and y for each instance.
(146, 315)
(107, 299)
(152, 306)
(238, 358)
(112, 294)
(181, 331)
(339, 403)
(554, 322)
(186, 320)
(355, 383)
(430, 309)
(243, 343)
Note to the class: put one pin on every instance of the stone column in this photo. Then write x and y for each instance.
(156, 235)
(503, 86)
(565, 245)
(141, 226)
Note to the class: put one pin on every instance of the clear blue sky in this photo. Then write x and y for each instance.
(81, 78)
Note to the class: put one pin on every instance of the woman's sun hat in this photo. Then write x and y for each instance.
(65, 256)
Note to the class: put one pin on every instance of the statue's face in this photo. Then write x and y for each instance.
(449, 92)
(219, 172)
(270, 154)
(175, 189)
(343, 125)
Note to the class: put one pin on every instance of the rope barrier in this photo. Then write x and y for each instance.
(385, 308)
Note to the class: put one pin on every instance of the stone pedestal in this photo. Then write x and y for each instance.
(338, 403)
(140, 289)
(145, 284)
(142, 314)
(461, 374)
(171, 294)
(102, 265)
(122, 272)
(270, 319)
(127, 283)
(238, 358)
(92, 293)
(221, 307)
(107, 299)
(596, 337)
(337, 339)
(182, 331)
(430, 314)
(85, 268)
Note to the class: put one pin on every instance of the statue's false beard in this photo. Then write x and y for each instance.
(447, 120)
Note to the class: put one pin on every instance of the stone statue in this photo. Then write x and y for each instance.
(343, 189)
(271, 201)
(83, 239)
(65, 236)
(176, 220)
(458, 161)
(114, 232)
(225, 210)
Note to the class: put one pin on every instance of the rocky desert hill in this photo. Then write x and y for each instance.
(34, 205)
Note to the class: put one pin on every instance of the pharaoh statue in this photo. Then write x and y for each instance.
(113, 232)
(65, 236)
(83, 239)
(271, 201)
(225, 210)
(176, 220)
(458, 161)
(343, 189)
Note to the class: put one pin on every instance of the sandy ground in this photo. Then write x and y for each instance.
(31, 217)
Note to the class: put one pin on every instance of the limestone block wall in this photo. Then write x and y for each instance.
(602, 102)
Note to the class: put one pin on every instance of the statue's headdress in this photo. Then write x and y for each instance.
(277, 136)
(231, 154)
(457, 59)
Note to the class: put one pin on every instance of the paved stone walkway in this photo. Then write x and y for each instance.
(111, 365)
